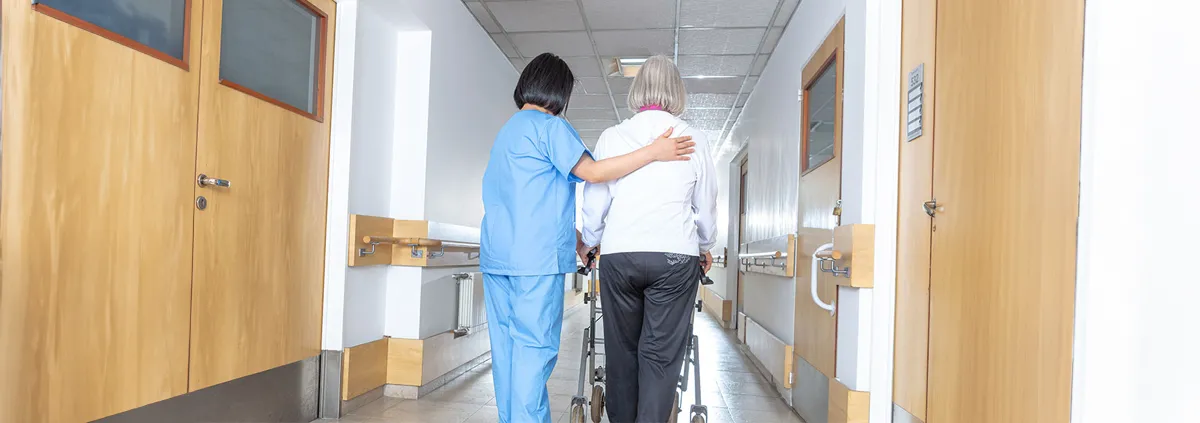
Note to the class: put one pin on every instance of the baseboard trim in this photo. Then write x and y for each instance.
(348, 406)
(717, 306)
(331, 385)
(285, 394)
(846, 405)
(900, 415)
(741, 327)
(810, 392)
(364, 368)
(416, 392)
(775, 355)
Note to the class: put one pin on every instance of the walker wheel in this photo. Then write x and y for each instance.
(597, 403)
(577, 414)
(698, 419)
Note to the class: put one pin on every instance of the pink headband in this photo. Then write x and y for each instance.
(650, 107)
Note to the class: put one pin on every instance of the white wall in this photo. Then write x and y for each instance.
(429, 91)
(474, 84)
(770, 126)
(1136, 317)
(768, 131)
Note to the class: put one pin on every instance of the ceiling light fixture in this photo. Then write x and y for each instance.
(626, 67)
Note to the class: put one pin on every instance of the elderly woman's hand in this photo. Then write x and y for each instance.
(706, 261)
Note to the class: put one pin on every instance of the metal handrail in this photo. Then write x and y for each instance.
(417, 244)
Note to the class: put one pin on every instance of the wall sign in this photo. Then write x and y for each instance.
(916, 97)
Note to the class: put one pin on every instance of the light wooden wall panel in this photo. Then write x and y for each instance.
(847, 406)
(364, 367)
(404, 362)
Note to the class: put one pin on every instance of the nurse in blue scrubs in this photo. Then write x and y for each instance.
(528, 239)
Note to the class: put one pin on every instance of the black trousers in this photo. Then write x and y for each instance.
(647, 300)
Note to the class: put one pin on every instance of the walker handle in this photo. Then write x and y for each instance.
(587, 267)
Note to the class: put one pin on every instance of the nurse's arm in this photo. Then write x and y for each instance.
(663, 149)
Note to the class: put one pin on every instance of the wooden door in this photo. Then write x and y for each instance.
(1006, 174)
(256, 303)
(99, 146)
(820, 186)
(914, 225)
(744, 172)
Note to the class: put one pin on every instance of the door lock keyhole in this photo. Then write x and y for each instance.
(201, 202)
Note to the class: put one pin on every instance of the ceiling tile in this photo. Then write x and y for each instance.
(712, 125)
(615, 14)
(622, 101)
(750, 83)
(772, 39)
(726, 13)
(561, 43)
(481, 15)
(704, 114)
(590, 86)
(583, 67)
(518, 63)
(573, 113)
(620, 84)
(504, 45)
(710, 100)
(713, 85)
(626, 113)
(719, 41)
(737, 112)
(760, 64)
(785, 12)
(635, 43)
(586, 125)
(590, 102)
(715, 65)
(542, 15)
(741, 101)
(714, 136)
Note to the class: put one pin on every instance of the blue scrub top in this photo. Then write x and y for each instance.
(529, 197)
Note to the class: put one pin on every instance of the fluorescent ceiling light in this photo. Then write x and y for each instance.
(626, 66)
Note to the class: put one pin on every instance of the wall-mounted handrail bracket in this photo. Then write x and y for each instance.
(830, 257)
(772, 256)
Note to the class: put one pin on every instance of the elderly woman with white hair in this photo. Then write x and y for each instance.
(657, 226)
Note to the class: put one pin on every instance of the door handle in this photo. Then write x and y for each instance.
(931, 207)
(204, 181)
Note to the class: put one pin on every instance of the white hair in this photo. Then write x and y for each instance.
(658, 84)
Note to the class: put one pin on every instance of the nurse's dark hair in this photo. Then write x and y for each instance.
(547, 81)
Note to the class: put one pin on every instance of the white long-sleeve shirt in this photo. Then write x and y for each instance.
(668, 207)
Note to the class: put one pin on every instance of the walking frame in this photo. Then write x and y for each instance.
(593, 375)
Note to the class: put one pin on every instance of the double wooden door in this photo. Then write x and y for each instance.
(126, 280)
(985, 288)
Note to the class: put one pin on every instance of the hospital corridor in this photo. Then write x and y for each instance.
(599, 211)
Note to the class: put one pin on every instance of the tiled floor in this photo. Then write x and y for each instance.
(733, 390)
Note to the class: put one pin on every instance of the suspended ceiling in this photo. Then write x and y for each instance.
(721, 46)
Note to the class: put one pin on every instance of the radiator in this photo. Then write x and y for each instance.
(466, 303)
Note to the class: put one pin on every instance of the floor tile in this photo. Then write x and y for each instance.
(731, 387)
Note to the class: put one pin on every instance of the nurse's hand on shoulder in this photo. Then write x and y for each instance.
(667, 149)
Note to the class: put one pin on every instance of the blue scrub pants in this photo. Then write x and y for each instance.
(524, 321)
